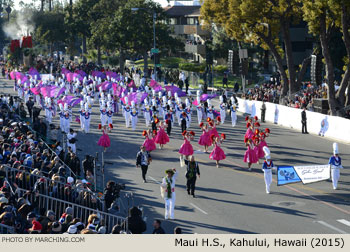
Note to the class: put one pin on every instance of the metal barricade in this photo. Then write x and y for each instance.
(81, 212)
(46, 186)
(4, 229)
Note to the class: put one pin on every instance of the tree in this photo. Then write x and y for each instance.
(260, 22)
(50, 28)
(323, 19)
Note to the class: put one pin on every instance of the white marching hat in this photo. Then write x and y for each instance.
(221, 99)
(335, 149)
(267, 152)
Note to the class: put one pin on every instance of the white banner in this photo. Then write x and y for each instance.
(315, 173)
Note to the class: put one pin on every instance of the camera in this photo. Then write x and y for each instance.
(115, 188)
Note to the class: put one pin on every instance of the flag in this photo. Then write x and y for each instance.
(287, 175)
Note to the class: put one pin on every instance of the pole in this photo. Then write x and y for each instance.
(154, 44)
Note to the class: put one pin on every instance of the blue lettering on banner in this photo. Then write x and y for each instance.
(287, 175)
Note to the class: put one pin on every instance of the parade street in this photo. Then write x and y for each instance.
(229, 199)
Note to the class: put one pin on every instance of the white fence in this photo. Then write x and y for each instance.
(334, 127)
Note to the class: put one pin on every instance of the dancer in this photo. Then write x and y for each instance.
(267, 169)
(205, 139)
(249, 133)
(104, 140)
(335, 162)
(212, 125)
(217, 153)
(261, 145)
(249, 155)
(168, 192)
(148, 143)
(186, 148)
(161, 138)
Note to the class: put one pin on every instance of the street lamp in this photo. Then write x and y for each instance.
(154, 38)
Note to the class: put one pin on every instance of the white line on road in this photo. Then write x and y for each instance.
(331, 227)
(154, 180)
(345, 222)
(198, 208)
(124, 160)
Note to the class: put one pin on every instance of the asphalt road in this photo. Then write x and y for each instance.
(229, 199)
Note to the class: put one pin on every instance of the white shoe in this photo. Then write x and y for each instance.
(334, 188)
(267, 192)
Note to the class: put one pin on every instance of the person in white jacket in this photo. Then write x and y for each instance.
(71, 139)
(168, 192)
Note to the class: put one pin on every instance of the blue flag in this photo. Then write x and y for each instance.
(286, 175)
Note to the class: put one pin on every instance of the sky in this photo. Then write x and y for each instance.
(162, 2)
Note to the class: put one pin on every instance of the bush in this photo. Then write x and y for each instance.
(191, 67)
(220, 68)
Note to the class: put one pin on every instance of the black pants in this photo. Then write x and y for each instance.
(168, 129)
(183, 126)
(144, 169)
(303, 128)
(191, 183)
(263, 116)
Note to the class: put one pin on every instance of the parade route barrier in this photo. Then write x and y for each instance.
(4, 229)
(59, 206)
(334, 127)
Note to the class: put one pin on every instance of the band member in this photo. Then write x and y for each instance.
(267, 169)
(233, 109)
(168, 192)
(86, 118)
(335, 162)
(222, 110)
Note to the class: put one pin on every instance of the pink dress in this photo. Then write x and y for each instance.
(205, 139)
(104, 140)
(217, 153)
(162, 137)
(149, 144)
(249, 134)
(186, 148)
(261, 153)
(214, 132)
(250, 155)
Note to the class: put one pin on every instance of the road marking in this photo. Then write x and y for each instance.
(331, 227)
(198, 208)
(124, 160)
(345, 222)
(154, 180)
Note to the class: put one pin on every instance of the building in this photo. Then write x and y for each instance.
(184, 22)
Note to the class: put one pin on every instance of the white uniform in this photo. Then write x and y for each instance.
(267, 169)
(133, 116)
(109, 115)
(169, 202)
(86, 121)
(223, 112)
(147, 115)
(127, 111)
(103, 117)
(233, 115)
(66, 121)
(335, 163)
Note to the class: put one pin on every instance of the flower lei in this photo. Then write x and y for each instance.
(168, 187)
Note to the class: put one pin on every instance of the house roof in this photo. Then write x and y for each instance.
(183, 11)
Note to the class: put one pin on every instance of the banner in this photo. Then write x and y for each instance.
(286, 175)
(314, 173)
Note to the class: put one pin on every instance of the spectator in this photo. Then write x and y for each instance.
(157, 227)
(136, 224)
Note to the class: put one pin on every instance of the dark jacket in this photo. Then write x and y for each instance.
(303, 116)
(188, 171)
(139, 157)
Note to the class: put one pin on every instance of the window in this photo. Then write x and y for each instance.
(172, 21)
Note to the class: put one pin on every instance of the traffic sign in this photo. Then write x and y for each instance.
(154, 50)
(158, 65)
